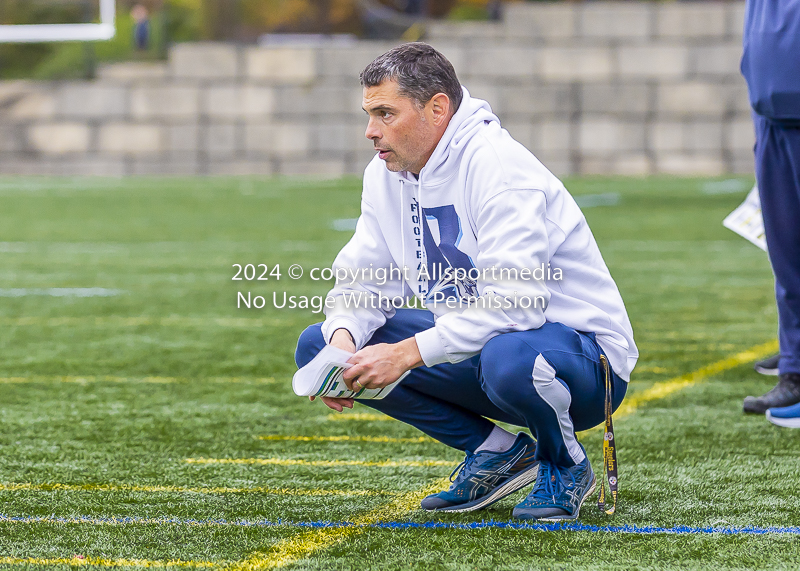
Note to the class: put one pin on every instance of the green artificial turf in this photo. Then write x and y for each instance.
(104, 398)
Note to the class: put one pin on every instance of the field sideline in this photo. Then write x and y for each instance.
(148, 422)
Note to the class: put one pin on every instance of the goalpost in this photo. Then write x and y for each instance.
(26, 33)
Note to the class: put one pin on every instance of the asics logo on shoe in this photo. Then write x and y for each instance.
(574, 496)
(482, 485)
(485, 480)
(486, 477)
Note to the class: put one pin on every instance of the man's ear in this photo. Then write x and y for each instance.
(439, 106)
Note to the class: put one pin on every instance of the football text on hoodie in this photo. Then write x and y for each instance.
(482, 201)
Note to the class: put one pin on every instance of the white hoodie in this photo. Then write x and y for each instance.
(486, 202)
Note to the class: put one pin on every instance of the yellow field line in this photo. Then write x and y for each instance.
(322, 463)
(664, 389)
(84, 379)
(357, 416)
(103, 562)
(417, 440)
(54, 487)
(293, 549)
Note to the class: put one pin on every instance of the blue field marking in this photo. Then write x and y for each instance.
(491, 524)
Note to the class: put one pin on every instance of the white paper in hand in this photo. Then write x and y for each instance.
(747, 220)
(322, 377)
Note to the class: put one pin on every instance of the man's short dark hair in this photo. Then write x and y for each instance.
(420, 71)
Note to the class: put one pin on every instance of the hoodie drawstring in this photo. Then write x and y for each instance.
(402, 225)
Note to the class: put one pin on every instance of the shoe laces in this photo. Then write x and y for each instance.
(550, 482)
(463, 468)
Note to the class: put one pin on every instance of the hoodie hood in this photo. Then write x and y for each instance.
(464, 125)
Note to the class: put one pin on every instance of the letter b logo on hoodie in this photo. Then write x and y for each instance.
(444, 253)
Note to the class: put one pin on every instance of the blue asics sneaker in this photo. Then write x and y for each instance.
(485, 477)
(786, 416)
(558, 493)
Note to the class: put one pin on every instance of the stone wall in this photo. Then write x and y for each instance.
(596, 87)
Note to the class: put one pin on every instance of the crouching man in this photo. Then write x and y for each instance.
(522, 321)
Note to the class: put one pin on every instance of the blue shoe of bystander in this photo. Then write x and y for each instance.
(786, 416)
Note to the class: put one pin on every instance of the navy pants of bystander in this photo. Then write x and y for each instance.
(778, 175)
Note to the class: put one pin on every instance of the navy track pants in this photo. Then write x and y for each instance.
(548, 379)
(778, 175)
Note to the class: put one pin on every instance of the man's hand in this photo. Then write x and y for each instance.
(336, 404)
(380, 365)
(373, 367)
(341, 339)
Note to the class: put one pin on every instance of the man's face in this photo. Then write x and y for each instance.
(400, 130)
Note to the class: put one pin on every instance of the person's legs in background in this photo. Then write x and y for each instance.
(778, 176)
